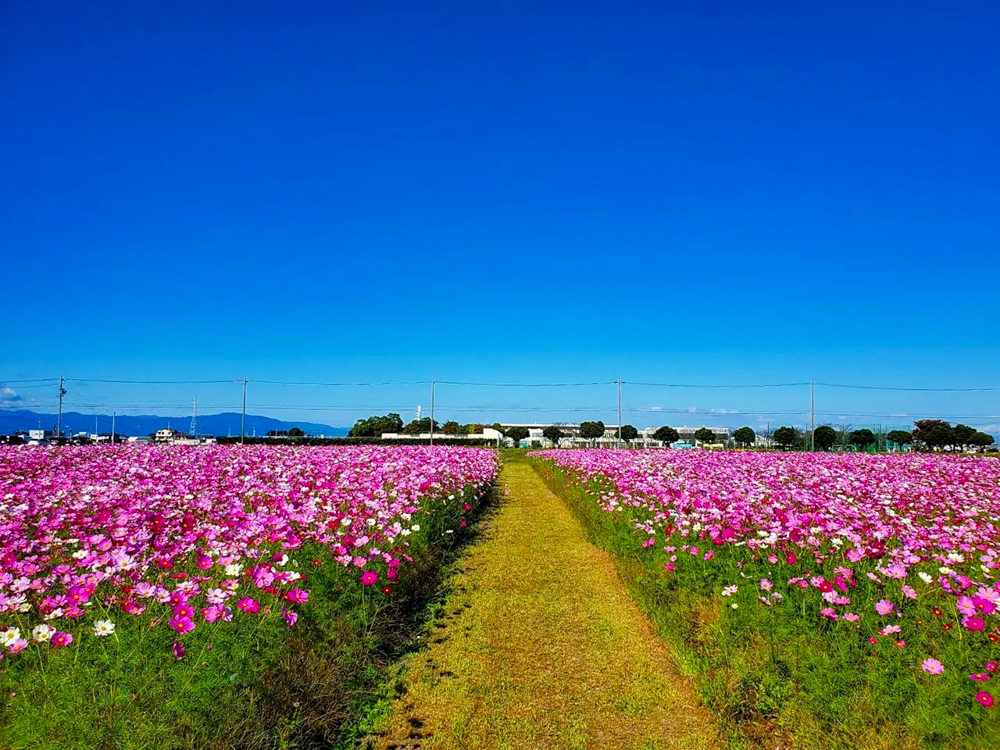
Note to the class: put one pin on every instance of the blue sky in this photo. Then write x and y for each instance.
(687, 192)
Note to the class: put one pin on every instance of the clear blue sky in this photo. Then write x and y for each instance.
(674, 192)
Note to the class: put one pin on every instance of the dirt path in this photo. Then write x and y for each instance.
(542, 648)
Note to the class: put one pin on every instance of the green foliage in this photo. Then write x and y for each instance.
(375, 426)
(900, 437)
(450, 428)
(517, 434)
(824, 437)
(864, 438)
(982, 440)
(705, 435)
(666, 435)
(553, 433)
(592, 430)
(420, 426)
(933, 434)
(745, 437)
(629, 433)
(786, 437)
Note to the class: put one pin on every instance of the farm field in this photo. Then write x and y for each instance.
(817, 600)
(223, 597)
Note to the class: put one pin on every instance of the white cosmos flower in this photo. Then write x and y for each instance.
(234, 569)
(42, 633)
(730, 590)
(416, 527)
(925, 577)
(103, 628)
(9, 636)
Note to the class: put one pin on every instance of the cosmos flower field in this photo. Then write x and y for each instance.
(106, 545)
(887, 567)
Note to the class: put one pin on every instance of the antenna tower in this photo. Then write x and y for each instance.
(194, 418)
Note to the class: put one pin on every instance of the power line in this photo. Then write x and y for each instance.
(895, 388)
(692, 385)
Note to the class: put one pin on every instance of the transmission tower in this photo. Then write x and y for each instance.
(194, 418)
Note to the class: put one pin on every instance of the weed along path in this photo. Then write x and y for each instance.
(539, 646)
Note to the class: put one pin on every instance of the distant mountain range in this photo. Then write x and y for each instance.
(220, 425)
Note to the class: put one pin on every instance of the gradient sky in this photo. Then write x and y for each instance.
(678, 192)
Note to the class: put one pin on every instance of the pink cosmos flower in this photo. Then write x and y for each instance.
(909, 592)
(204, 562)
(883, 607)
(985, 698)
(248, 605)
(19, 645)
(765, 584)
(368, 577)
(984, 677)
(290, 617)
(932, 666)
(974, 623)
(211, 613)
(181, 624)
(965, 605)
(178, 648)
(991, 666)
(297, 596)
(61, 639)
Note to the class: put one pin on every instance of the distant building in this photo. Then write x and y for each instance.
(167, 435)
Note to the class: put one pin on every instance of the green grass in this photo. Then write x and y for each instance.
(773, 676)
(253, 683)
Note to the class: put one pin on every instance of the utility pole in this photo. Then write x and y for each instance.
(113, 414)
(432, 413)
(619, 413)
(62, 393)
(243, 420)
(812, 415)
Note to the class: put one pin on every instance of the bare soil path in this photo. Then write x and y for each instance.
(541, 647)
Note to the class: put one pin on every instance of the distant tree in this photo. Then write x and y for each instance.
(704, 435)
(933, 434)
(629, 433)
(592, 430)
(745, 437)
(825, 437)
(450, 428)
(963, 435)
(296, 432)
(517, 434)
(666, 435)
(553, 433)
(900, 437)
(982, 440)
(376, 426)
(863, 438)
(420, 426)
(786, 437)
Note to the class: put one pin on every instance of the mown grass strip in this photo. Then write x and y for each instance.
(540, 646)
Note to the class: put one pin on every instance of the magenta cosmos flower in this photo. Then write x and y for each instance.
(61, 639)
(181, 624)
(248, 605)
(369, 577)
(985, 698)
(932, 666)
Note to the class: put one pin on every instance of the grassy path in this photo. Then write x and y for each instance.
(541, 647)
